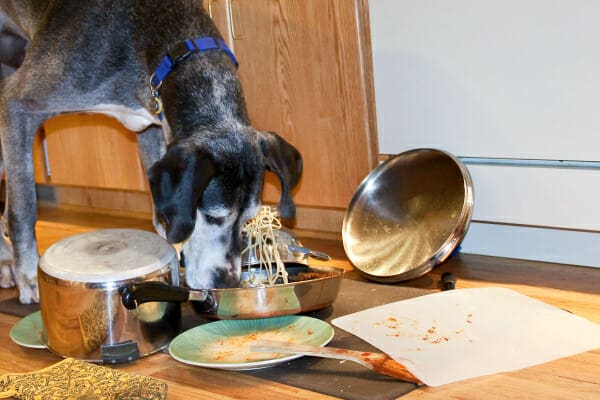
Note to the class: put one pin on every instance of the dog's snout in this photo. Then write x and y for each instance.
(179, 229)
(226, 278)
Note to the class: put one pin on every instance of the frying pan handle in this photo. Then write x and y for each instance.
(134, 294)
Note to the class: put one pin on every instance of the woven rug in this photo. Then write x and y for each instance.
(12, 306)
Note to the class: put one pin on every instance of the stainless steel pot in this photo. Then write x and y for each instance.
(310, 288)
(80, 279)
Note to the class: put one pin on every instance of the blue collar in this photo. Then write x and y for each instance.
(169, 61)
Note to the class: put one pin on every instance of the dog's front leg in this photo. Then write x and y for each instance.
(18, 130)
(151, 147)
(6, 253)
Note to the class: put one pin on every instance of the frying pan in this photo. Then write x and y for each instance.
(310, 288)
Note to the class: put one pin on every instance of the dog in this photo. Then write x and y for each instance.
(12, 48)
(163, 70)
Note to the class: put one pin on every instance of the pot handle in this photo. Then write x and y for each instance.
(134, 294)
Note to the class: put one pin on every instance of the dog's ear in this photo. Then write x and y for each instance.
(285, 161)
(177, 181)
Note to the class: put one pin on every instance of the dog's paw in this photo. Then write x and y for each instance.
(28, 290)
(6, 277)
(29, 295)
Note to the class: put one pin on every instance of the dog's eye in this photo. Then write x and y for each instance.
(214, 220)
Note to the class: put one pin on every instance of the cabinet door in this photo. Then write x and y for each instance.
(90, 151)
(219, 12)
(305, 67)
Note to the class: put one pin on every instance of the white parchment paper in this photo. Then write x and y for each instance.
(459, 334)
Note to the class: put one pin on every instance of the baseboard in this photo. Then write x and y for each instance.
(309, 220)
(321, 220)
(500, 240)
(533, 243)
(100, 201)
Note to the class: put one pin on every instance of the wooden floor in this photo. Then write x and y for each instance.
(573, 288)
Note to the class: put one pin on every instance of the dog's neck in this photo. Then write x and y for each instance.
(186, 20)
(220, 101)
(202, 94)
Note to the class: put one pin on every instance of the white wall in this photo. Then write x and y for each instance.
(512, 88)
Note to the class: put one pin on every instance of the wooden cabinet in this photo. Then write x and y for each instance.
(306, 72)
(90, 151)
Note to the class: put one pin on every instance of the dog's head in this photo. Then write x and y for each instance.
(205, 189)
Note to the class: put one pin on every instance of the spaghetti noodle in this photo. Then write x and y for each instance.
(262, 245)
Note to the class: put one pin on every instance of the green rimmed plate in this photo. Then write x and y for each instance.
(28, 331)
(226, 344)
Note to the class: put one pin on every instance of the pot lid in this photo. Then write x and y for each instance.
(107, 255)
(408, 215)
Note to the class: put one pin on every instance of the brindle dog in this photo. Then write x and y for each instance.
(204, 160)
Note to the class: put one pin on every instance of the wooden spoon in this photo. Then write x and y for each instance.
(378, 362)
